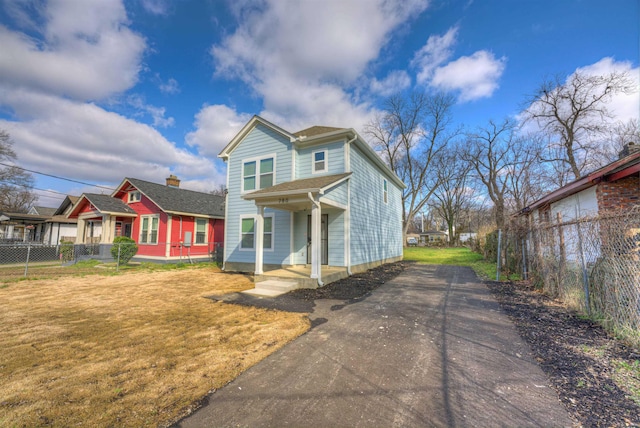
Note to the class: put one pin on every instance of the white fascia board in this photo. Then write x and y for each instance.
(194, 215)
(251, 196)
(334, 184)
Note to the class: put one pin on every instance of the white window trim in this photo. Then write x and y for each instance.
(206, 231)
(150, 217)
(313, 161)
(255, 217)
(130, 199)
(257, 160)
(385, 193)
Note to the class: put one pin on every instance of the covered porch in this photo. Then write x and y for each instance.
(307, 203)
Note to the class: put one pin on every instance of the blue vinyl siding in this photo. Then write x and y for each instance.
(338, 193)
(335, 158)
(376, 227)
(259, 142)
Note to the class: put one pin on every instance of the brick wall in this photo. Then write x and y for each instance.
(621, 194)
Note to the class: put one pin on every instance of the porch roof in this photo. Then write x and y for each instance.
(104, 204)
(299, 187)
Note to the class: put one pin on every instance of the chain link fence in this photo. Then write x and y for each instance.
(22, 259)
(591, 264)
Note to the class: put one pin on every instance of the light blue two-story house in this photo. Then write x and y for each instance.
(320, 199)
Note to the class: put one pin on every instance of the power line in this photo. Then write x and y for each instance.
(58, 177)
(34, 188)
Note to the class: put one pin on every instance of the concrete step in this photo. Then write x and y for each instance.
(272, 288)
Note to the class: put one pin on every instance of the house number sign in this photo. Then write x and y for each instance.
(283, 200)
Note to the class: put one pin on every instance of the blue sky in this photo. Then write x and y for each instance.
(96, 91)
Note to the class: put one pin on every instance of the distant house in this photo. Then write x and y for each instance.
(167, 223)
(21, 227)
(58, 227)
(433, 237)
(315, 199)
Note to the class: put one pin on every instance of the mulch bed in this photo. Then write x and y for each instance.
(350, 290)
(575, 353)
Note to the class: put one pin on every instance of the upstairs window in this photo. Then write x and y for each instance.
(319, 161)
(385, 191)
(257, 174)
(134, 196)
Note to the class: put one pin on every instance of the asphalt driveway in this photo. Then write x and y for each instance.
(429, 348)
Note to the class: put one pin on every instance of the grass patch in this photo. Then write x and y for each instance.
(627, 376)
(133, 349)
(459, 256)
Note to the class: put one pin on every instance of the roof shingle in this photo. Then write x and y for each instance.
(172, 199)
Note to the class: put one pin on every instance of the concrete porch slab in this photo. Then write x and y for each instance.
(272, 288)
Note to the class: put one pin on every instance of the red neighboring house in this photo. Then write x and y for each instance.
(167, 223)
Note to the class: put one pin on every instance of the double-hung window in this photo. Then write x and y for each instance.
(319, 159)
(201, 231)
(248, 232)
(385, 191)
(149, 229)
(258, 173)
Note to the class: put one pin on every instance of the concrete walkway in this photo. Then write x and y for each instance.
(430, 348)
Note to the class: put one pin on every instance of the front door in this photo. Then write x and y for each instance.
(324, 239)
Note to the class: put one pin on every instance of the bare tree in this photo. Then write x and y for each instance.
(574, 113)
(219, 190)
(408, 134)
(16, 185)
(622, 134)
(488, 152)
(452, 195)
(526, 179)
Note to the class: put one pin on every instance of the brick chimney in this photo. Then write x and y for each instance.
(628, 149)
(172, 181)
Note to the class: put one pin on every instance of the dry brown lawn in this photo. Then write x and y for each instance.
(135, 349)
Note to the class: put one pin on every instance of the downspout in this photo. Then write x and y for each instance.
(317, 204)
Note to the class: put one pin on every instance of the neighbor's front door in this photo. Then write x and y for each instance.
(324, 239)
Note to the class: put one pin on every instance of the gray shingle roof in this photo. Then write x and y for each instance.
(45, 211)
(107, 204)
(304, 184)
(180, 200)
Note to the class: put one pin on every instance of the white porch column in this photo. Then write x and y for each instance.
(80, 231)
(258, 228)
(108, 229)
(316, 216)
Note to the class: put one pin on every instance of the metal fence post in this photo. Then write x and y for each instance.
(118, 261)
(585, 275)
(524, 260)
(499, 255)
(26, 265)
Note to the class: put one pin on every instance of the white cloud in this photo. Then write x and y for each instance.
(95, 145)
(156, 7)
(302, 57)
(156, 113)
(215, 126)
(474, 76)
(86, 51)
(395, 82)
(170, 87)
(623, 106)
(434, 53)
